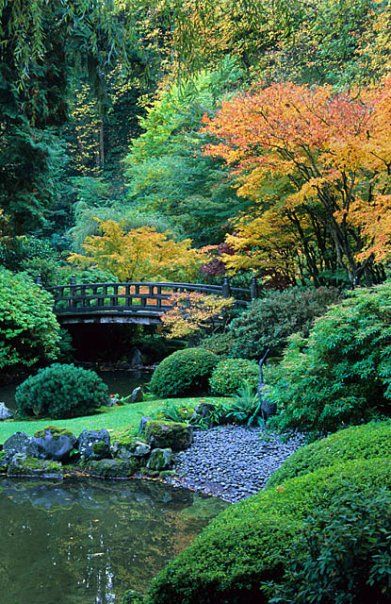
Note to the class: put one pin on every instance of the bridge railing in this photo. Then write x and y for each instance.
(136, 296)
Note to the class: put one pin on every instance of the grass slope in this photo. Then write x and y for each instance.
(114, 419)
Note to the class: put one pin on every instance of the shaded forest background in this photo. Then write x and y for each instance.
(122, 122)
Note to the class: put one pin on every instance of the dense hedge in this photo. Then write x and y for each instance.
(357, 442)
(270, 320)
(342, 555)
(251, 541)
(341, 373)
(29, 332)
(61, 391)
(231, 374)
(184, 372)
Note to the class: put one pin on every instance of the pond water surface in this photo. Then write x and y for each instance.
(87, 542)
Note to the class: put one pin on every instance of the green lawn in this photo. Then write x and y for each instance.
(114, 419)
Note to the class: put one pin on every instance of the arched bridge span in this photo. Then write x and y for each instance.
(132, 302)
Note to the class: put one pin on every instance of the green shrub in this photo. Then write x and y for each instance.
(343, 556)
(251, 542)
(232, 374)
(219, 343)
(341, 373)
(29, 332)
(357, 442)
(184, 372)
(61, 391)
(269, 321)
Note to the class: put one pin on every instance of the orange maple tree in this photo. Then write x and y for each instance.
(317, 160)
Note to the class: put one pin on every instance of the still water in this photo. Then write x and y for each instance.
(87, 542)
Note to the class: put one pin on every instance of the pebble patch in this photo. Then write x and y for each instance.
(231, 462)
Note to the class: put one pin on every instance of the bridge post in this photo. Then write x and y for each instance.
(254, 288)
(226, 288)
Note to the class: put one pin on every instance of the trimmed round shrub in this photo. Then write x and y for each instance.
(251, 542)
(357, 442)
(29, 331)
(232, 374)
(61, 391)
(184, 372)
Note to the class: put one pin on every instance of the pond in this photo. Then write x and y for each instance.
(87, 542)
(119, 382)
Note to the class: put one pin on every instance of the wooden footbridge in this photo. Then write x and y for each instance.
(132, 302)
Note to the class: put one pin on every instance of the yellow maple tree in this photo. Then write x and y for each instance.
(141, 254)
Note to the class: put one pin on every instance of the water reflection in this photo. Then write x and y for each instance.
(86, 542)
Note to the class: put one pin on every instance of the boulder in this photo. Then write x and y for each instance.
(268, 409)
(143, 422)
(174, 435)
(203, 411)
(17, 443)
(29, 467)
(52, 443)
(136, 358)
(160, 460)
(134, 447)
(137, 395)
(94, 444)
(111, 468)
(5, 413)
(4, 462)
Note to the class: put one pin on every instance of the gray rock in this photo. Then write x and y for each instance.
(142, 450)
(143, 422)
(17, 443)
(136, 358)
(5, 413)
(52, 445)
(111, 468)
(268, 409)
(177, 436)
(160, 460)
(94, 444)
(137, 395)
(23, 466)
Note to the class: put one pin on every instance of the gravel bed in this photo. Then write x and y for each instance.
(231, 462)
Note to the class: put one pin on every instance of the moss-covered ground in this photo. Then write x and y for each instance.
(115, 419)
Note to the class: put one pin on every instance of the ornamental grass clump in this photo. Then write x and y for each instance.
(61, 391)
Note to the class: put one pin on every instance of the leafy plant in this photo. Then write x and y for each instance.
(246, 408)
(232, 374)
(29, 332)
(343, 556)
(193, 313)
(269, 321)
(183, 372)
(61, 391)
(341, 373)
(139, 255)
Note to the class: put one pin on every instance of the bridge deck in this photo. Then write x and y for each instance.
(131, 302)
